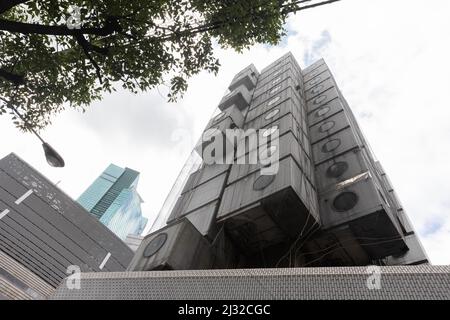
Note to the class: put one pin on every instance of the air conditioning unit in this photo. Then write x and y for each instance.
(319, 88)
(334, 145)
(340, 168)
(177, 246)
(229, 118)
(322, 99)
(259, 211)
(331, 125)
(198, 197)
(247, 77)
(288, 146)
(274, 112)
(360, 203)
(413, 256)
(324, 111)
(320, 69)
(240, 97)
(276, 98)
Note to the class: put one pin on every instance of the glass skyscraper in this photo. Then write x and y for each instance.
(114, 200)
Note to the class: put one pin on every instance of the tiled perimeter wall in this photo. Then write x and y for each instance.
(401, 282)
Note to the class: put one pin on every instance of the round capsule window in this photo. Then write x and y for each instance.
(272, 114)
(337, 169)
(322, 111)
(331, 145)
(270, 131)
(275, 89)
(345, 201)
(155, 245)
(320, 99)
(326, 126)
(317, 89)
(262, 182)
(274, 100)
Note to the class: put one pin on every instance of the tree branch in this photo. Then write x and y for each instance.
(17, 79)
(86, 48)
(32, 28)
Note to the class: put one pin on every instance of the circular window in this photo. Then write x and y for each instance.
(267, 152)
(317, 89)
(271, 102)
(322, 111)
(337, 169)
(315, 80)
(331, 145)
(155, 244)
(320, 99)
(270, 131)
(263, 182)
(219, 116)
(326, 126)
(275, 89)
(276, 80)
(345, 201)
(272, 114)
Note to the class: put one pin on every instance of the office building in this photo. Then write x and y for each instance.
(113, 199)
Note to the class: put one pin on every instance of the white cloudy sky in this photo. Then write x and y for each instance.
(390, 58)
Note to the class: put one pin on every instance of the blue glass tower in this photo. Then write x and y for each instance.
(114, 200)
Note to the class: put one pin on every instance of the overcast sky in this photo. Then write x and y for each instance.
(390, 59)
